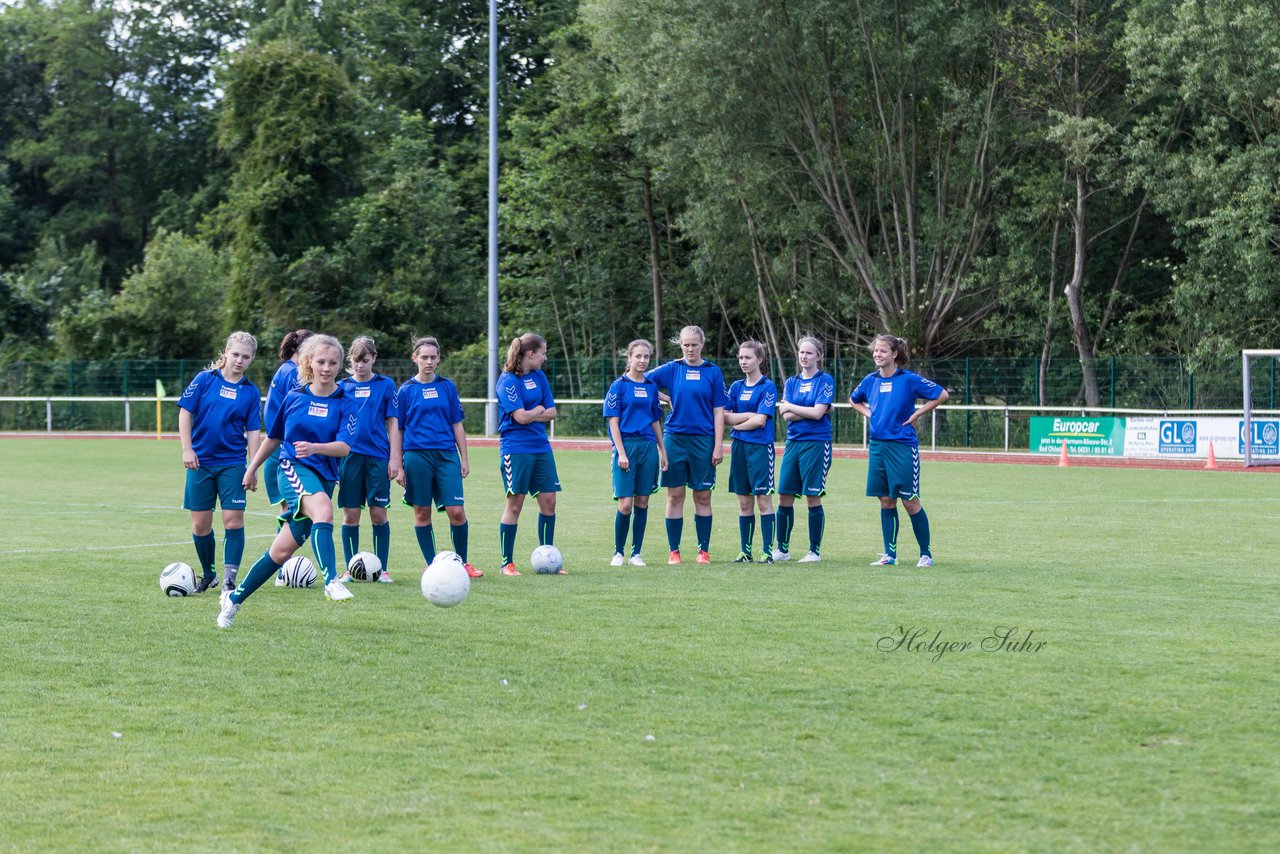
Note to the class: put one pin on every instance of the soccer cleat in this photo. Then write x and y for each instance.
(885, 560)
(510, 569)
(228, 585)
(205, 582)
(336, 591)
(779, 555)
(472, 572)
(742, 557)
(560, 571)
(636, 560)
(228, 612)
(703, 557)
(674, 558)
(766, 558)
(811, 557)
(925, 560)
(385, 578)
(280, 582)
(618, 559)
(346, 578)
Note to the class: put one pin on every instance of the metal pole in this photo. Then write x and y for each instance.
(1247, 439)
(491, 408)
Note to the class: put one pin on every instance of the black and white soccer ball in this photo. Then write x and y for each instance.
(365, 566)
(177, 579)
(298, 571)
(546, 560)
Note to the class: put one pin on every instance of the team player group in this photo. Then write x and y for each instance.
(358, 434)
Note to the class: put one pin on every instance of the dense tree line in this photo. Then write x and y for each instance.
(1065, 178)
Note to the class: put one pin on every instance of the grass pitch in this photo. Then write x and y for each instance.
(1128, 703)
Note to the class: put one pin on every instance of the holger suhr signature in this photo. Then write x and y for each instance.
(932, 643)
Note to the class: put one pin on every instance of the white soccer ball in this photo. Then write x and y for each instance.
(445, 582)
(177, 579)
(365, 566)
(298, 572)
(546, 560)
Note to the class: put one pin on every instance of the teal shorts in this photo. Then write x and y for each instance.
(271, 477)
(689, 461)
(893, 470)
(641, 476)
(529, 474)
(295, 482)
(751, 468)
(363, 482)
(805, 464)
(432, 477)
(207, 484)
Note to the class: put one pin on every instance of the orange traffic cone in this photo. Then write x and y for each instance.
(1212, 463)
(1062, 458)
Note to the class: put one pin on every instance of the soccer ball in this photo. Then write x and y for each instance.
(546, 560)
(445, 582)
(298, 572)
(365, 566)
(177, 579)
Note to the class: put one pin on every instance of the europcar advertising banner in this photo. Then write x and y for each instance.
(1085, 437)
(1189, 438)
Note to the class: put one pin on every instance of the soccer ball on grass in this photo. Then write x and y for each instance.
(445, 582)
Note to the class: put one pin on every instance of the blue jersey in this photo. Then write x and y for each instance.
(754, 399)
(284, 381)
(221, 413)
(892, 401)
(377, 401)
(306, 417)
(636, 406)
(816, 390)
(428, 412)
(514, 393)
(696, 391)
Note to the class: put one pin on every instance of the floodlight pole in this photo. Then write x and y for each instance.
(491, 408)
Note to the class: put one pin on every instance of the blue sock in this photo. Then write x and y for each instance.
(889, 529)
(675, 530)
(746, 533)
(621, 522)
(920, 525)
(232, 549)
(382, 542)
(817, 522)
(702, 525)
(322, 546)
(206, 548)
(459, 534)
(639, 520)
(786, 521)
(426, 542)
(350, 542)
(507, 542)
(546, 529)
(767, 521)
(258, 574)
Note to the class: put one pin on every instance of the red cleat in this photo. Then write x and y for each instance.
(703, 557)
(674, 558)
(472, 571)
(510, 569)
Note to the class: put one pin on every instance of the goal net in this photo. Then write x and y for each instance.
(1258, 433)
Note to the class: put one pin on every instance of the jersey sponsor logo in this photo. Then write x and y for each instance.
(320, 410)
(805, 388)
(886, 386)
(531, 383)
(429, 394)
(693, 375)
(745, 397)
(363, 391)
(642, 392)
(228, 392)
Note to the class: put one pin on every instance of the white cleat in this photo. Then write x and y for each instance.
(228, 612)
(925, 560)
(618, 560)
(884, 560)
(636, 560)
(280, 579)
(810, 557)
(780, 555)
(336, 591)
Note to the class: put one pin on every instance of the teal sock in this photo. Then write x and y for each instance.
(702, 526)
(322, 546)
(206, 548)
(382, 542)
(507, 542)
(746, 532)
(889, 529)
(232, 550)
(426, 542)
(546, 529)
(639, 520)
(675, 530)
(817, 522)
(258, 574)
(786, 521)
(621, 522)
(460, 534)
(920, 525)
(350, 542)
(767, 521)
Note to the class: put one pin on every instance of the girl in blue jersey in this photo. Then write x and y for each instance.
(368, 470)
(633, 414)
(429, 447)
(284, 381)
(694, 438)
(527, 464)
(314, 429)
(806, 407)
(752, 402)
(219, 418)
(887, 398)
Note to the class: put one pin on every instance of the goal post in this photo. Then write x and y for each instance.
(1248, 358)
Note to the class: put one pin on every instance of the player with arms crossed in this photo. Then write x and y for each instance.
(806, 407)
(752, 403)
(633, 414)
(887, 398)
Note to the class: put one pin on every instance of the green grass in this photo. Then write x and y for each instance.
(521, 719)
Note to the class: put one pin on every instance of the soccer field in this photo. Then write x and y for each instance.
(1088, 668)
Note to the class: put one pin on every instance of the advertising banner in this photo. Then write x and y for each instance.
(1189, 438)
(1085, 437)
